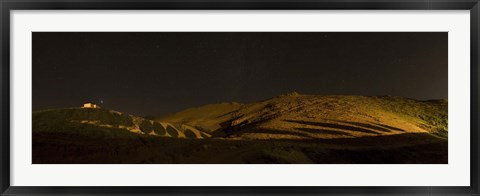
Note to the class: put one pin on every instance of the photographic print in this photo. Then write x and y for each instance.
(240, 98)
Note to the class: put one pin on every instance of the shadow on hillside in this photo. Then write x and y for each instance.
(363, 125)
(334, 126)
(274, 132)
(189, 134)
(323, 131)
(158, 129)
(301, 132)
(389, 127)
(171, 131)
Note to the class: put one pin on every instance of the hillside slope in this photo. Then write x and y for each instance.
(206, 118)
(295, 116)
(107, 123)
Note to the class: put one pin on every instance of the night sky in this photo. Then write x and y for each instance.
(161, 73)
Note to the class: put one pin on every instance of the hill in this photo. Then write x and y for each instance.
(107, 123)
(295, 116)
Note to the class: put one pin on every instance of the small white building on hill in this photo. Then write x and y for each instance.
(90, 105)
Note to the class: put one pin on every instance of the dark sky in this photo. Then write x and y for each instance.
(160, 73)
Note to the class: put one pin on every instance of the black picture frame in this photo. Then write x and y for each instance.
(8, 5)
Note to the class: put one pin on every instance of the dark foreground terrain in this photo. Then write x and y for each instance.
(291, 128)
(403, 148)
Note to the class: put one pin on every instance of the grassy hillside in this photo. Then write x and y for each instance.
(106, 123)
